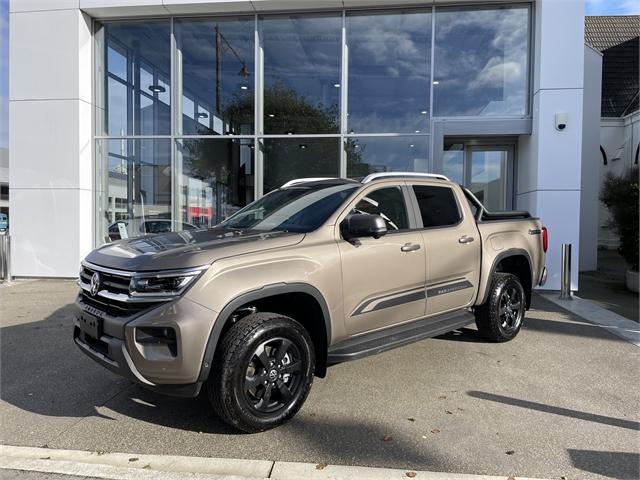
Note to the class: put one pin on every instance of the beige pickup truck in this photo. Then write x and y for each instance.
(318, 272)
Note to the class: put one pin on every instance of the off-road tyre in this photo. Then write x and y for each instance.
(238, 366)
(498, 319)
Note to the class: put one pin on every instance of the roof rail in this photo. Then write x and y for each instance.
(375, 176)
(297, 181)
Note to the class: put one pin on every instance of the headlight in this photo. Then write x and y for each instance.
(163, 284)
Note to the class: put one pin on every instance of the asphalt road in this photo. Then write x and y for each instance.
(561, 400)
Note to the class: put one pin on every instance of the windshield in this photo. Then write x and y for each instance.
(300, 209)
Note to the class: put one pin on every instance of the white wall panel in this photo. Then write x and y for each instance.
(45, 144)
(43, 55)
(179, 7)
(560, 43)
(44, 227)
(35, 5)
(559, 152)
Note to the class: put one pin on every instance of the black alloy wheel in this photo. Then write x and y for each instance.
(262, 372)
(500, 318)
(511, 309)
(273, 375)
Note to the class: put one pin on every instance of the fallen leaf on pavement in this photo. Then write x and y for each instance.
(411, 419)
(448, 412)
(435, 430)
(411, 474)
(387, 438)
(510, 452)
(442, 397)
(134, 459)
(321, 466)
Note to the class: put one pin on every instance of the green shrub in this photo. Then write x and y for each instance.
(620, 195)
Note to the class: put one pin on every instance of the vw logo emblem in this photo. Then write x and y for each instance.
(95, 284)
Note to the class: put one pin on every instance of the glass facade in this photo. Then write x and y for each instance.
(196, 117)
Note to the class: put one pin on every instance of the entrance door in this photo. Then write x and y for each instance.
(484, 168)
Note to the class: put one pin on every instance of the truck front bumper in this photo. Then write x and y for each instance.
(169, 365)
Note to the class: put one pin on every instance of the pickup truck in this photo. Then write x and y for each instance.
(317, 272)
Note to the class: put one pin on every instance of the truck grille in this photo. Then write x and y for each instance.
(113, 295)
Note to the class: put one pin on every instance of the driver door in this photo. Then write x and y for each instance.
(383, 279)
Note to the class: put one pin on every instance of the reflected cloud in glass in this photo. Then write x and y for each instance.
(389, 71)
(481, 61)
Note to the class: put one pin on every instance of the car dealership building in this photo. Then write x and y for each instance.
(144, 115)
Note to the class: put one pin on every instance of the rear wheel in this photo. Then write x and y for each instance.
(262, 373)
(500, 317)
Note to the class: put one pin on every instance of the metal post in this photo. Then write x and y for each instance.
(565, 276)
(5, 257)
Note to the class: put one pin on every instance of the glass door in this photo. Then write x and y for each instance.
(484, 168)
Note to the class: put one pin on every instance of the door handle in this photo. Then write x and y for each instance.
(465, 239)
(410, 247)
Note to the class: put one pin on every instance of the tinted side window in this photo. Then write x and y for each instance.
(438, 206)
(389, 204)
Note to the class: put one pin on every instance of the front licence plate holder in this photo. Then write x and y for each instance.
(90, 324)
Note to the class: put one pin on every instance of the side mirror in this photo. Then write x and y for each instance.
(363, 225)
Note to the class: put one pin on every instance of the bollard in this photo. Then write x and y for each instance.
(565, 275)
(5, 257)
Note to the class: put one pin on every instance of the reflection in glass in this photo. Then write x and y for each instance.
(217, 75)
(453, 162)
(367, 155)
(135, 186)
(289, 158)
(480, 65)
(489, 178)
(134, 78)
(389, 70)
(302, 56)
(215, 179)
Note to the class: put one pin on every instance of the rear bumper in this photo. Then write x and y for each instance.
(543, 277)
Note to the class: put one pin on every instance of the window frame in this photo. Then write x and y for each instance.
(363, 192)
(416, 205)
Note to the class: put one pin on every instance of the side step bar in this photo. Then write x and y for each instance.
(393, 337)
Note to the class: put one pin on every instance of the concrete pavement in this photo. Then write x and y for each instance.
(562, 399)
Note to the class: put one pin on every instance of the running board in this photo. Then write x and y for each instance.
(383, 340)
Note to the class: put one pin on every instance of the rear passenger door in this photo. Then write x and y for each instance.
(452, 247)
(383, 279)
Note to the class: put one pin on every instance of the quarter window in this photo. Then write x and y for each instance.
(389, 204)
(438, 206)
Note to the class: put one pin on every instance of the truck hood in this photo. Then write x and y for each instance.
(189, 248)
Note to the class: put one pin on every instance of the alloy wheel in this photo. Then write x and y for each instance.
(273, 376)
(511, 308)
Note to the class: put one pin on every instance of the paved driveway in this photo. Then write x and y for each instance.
(561, 400)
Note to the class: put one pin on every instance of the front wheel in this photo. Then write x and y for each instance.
(262, 373)
(500, 318)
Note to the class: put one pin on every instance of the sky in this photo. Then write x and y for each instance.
(612, 7)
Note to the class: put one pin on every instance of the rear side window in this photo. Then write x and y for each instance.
(389, 204)
(438, 206)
